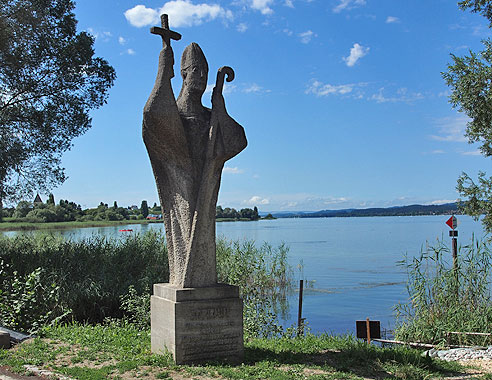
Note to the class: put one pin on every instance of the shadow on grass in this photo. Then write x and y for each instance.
(360, 360)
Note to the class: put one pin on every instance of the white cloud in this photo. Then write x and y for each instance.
(442, 201)
(451, 129)
(356, 52)
(181, 13)
(131, 52)
(319, 89)
(348, 4)
(103, 36)
(392, 20)
(289, 3)
(262, 5)
(307, 36)
(121, 40)
(472, 153)
(438, 151)
(402, 95)
(140, 16)
(227, 89)
(288, 32)
(257, 200)
(242, 27)
(253, 88)
(234, 170)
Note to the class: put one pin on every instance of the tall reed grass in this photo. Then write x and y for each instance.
(98, 278)
(444, 299)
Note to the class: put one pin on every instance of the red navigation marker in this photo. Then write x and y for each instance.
(452, 222)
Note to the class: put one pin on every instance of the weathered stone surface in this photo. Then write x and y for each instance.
(4, 339)
(193, 317)
(188, 145)
(197, 329)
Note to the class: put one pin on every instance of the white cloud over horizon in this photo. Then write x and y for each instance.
(256, 200)
(356, 52)
(182, 13)
(392, 20)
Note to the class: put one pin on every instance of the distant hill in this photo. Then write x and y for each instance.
(412, 210)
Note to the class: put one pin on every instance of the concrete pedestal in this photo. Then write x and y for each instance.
(197, 324)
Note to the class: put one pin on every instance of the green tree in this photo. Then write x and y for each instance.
(49, 81)
(22, 209)
(219, 212)
(256, 215)
(51, 200)
(115, 205)
(470, 80)
(144, 209)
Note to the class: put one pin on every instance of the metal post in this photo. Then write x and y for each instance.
(455, 252)
(368, 331)
(300, 327)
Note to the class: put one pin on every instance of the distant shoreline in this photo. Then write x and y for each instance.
(411, 210)
(26, 226)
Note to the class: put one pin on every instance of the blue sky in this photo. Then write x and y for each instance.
(342, 101)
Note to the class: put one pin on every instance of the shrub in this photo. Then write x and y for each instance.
(29, 302)
(100, 278)
(264, 278)
(93, 273)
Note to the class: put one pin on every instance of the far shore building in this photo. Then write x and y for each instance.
(38, 199)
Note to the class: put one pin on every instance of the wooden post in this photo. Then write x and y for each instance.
(300, 327)
(368, 329)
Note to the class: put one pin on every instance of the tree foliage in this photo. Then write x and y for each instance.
(470, 79)
(49, 81)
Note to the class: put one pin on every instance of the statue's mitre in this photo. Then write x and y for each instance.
(193, 56)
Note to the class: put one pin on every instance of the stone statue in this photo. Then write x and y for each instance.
(188, 145)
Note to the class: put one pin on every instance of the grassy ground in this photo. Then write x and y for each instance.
(123, 352)
(16, 226)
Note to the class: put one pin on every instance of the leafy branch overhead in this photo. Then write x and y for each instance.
(470, 79)
(49, 81)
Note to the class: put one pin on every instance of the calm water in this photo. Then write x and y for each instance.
(351, 261)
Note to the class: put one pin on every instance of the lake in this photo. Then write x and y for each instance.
(352, 262)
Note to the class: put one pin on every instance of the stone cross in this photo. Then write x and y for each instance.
(166, 34)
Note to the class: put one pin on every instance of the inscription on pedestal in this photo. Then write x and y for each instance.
(197, 330)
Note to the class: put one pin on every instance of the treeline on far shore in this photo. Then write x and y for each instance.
(69, 211)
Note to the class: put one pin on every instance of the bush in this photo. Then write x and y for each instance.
(101, 278)
(29, 302)
(264, 278)
(443, 299)
(93, 273)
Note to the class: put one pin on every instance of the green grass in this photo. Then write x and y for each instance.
(20, 226)
(121, 350)
(443, 298)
